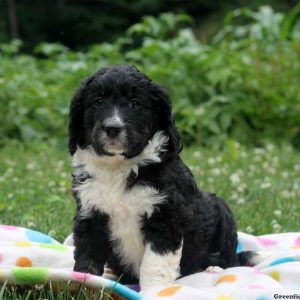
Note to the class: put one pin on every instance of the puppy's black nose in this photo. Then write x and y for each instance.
(112, 131)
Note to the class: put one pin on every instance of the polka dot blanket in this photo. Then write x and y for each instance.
(30, 257)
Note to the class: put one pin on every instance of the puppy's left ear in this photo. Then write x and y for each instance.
(76, 128)
(165, 120)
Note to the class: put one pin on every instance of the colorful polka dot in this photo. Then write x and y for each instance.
(2, 275)
(267, 241)
(56, 247)
(282, 260)
(255, 287)
(258, 272)
(222, 297)
(297, 241)
(35, 236)
(30, 275)
(80, 276)
(23, 261)
(275, 275)
(239, 248)
(226, 278)
(8, 227)
(169, 291)
(23, 244)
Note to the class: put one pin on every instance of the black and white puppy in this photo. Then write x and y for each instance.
(138, 207)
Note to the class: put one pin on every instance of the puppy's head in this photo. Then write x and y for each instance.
(117, 111)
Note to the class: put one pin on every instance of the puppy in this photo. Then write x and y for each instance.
(138, 207)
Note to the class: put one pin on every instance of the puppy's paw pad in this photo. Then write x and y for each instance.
(214, 269)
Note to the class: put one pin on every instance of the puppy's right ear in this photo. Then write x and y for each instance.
(77, 134)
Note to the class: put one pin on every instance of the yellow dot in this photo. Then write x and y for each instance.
(23, 244)
(295, 247)
(222, 297)
(226, 278)
(2, 275)
(23, 262)
(169, 291)
(275, 275)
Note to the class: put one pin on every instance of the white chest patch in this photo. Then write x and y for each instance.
(106, 191)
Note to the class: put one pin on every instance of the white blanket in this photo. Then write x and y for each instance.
(30, 257)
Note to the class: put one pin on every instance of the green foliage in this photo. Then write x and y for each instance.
(243, 85)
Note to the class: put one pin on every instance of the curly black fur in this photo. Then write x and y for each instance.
(201, 220)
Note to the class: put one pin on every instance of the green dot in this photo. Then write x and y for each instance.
(56, 247)
(30, 275)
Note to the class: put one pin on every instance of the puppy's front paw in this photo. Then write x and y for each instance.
(89, 267)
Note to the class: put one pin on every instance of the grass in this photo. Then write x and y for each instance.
(261, 185)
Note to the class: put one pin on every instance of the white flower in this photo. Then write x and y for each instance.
(241, 188)
(285, 194)
(285, 174)
(200, 111)
(244, 154)
(249, 229)
(31, 166)
(197, 154)
(259, 151)
(276, 226)
(266, 185)
(9, 171)
(51, 183)
(30, 224)
(271, 170)
(277, 213)
(64, 175)
(235, 178)
(297, 167)
(219, 158)
(216, 171)
(211, 161)
(241, 201)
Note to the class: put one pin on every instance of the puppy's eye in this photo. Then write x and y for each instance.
(135, 104)
(98, 101)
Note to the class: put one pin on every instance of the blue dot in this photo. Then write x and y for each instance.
(262, 298)
(282, 261)
(239, 248)
(35, 236)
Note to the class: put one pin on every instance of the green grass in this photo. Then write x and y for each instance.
(261, 185)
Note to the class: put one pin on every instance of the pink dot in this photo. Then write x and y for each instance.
(8, 227)
(80, 276)
(258, 272)
(255, 287)
(297, 241)
(266, 241)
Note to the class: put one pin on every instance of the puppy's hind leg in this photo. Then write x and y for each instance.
(224, 242)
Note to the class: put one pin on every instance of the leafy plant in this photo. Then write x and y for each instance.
(243, 85)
